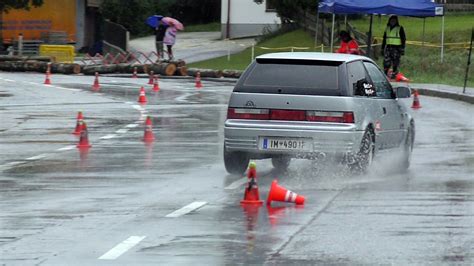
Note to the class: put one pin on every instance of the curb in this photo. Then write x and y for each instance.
(447, 94)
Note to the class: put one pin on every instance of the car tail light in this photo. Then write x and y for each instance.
(292, 115)
(246, 113)
(332, 117)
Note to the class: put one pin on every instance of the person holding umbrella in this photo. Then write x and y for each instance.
(170, 34)
(160, 31)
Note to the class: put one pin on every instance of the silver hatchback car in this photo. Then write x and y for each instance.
(315, 105)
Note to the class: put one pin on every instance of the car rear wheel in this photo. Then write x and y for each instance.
(236, 162)
(365, 155)
(281, 163)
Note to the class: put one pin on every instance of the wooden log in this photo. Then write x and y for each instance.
(65, 68)
(178, 63)
(101, 69)
(4, 58)
(39, 66)
(181, 71)
(231, 73)
(166, 69)
(205, 73)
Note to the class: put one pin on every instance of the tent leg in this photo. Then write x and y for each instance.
(442, 39)
(332, 32)
(369, 37)
(316, 31)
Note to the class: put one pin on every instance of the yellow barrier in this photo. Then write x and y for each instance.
(61, 53)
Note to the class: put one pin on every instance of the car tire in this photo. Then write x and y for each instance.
(236, 162)
(281, 163)
(366, 153)
(408, 148)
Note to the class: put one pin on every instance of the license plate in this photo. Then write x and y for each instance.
(287, 144)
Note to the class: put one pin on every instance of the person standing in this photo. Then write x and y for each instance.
(393, 46)
(348, 44)
(160, 31)
(170, 39)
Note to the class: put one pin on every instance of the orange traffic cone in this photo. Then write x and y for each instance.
(96, 85)
(47, 80)
(150, 80)
(142, 96)
(198, 80)
(148, 136)
(416, 101)
(251, 192)
(134, 73)
(84, 140)
(80, 120)
(279, 193)
(401, 78)
(156, 86)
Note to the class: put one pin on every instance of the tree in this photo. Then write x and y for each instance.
(7, 5)
(291, 10)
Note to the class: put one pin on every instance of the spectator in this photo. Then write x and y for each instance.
(170, 40)
(348, 45)
(393, 46)
(160, 31)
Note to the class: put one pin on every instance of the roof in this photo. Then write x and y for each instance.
(414, 8)
(315, 56)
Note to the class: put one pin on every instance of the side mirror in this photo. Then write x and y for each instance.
(403, 92)
(365, 88)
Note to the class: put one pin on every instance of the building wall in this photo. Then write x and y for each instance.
(247, 18)
(80, 23)
(53, 15)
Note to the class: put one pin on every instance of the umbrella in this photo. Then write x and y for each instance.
(173, 23)
(152, 21)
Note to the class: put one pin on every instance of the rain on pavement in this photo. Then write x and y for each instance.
(172, 202)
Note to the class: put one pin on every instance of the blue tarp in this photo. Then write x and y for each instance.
(412, 8)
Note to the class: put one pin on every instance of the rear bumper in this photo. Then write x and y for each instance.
(327, 138)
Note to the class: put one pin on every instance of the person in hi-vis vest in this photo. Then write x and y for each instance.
(393, 45)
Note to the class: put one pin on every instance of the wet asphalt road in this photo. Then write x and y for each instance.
(109, 205)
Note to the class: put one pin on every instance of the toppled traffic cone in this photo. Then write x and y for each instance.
(150, 80)
(198, 80)
(156, 86)
(416, 101)
(80, 120)
(401, 78)
(134, 75)
(96, 85)
(148, 136)
(84, 139)
(279, 193)
(142, 96)
(251, 192)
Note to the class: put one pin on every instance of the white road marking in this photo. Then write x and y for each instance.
(9, 80)
(121, 248)
(237, 183)
(110, 136)
(37, 157)
(129, 102)
(131, 126)
(121, 131)
(186, 209)
(137, 107)
(14, 163)
(67, 148)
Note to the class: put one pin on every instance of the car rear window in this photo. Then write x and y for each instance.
(292, 77)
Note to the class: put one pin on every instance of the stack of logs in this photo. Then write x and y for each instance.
(173, 68)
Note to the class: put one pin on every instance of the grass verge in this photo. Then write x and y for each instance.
(215, 26)
(420, 64)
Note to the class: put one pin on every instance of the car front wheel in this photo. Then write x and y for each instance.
(236, 162)
(408, 148)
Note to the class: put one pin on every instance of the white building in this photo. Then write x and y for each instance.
(246, 18)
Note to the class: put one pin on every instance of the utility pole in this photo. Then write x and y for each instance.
(468, 62)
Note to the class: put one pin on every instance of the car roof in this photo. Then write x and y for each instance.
(314, 56)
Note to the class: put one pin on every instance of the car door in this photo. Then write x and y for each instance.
(390, 126)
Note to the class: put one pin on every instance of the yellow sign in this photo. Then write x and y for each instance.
(60, 53)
